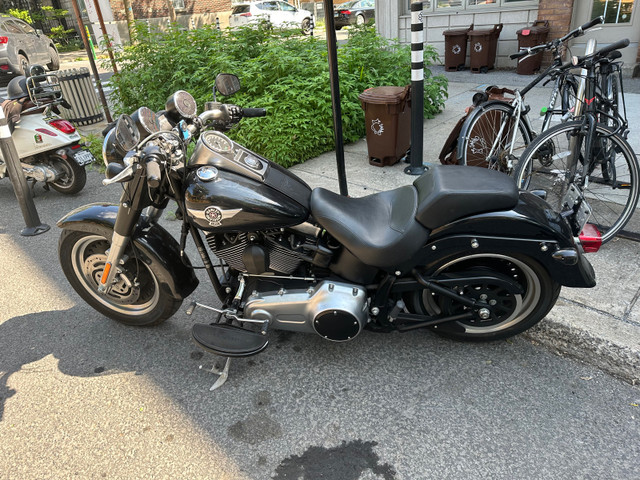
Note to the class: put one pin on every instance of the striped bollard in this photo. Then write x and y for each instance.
(20, 186)
(417, 90)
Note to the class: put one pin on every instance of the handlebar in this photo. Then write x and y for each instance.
(603, 52)
(253, 112)
(153, 173)
(556, 43)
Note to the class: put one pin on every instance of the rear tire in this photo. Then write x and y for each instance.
(511, 313)
(482, 136)
(306, 26)
(74, 176)
(360, 20)
(136, 298)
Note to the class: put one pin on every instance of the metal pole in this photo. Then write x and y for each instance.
(332, 50)
(417, 90)
(103, 99)
(105, 35)
(20, 186)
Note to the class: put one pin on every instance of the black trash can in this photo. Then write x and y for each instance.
(455, 48)
(387, 116)
(530, 37)
(483, 44)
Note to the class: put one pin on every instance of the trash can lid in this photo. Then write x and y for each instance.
(490, 31)
(457, 31)
(537, 30)
(384, 95)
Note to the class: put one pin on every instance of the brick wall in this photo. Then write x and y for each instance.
(158, 8)
(558, 12)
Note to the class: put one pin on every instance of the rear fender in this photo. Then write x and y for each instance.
(532, 228)
(154, 243)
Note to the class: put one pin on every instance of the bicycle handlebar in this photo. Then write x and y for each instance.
(603, 52)
(556, 43)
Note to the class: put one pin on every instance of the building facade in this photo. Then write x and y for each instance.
(622, 19)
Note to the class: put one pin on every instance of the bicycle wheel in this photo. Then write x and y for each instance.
(490, 137)
(614, 107)
(611, 189)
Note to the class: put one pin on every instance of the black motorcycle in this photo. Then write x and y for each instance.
(460, 251)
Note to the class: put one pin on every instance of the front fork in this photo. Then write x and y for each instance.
(132, 203)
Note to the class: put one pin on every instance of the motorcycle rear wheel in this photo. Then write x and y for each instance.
(74, 177)
(511, 313)
(135, 299)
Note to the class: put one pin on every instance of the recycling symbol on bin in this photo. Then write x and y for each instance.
(477, 47)
(377, 127)
(456, 49)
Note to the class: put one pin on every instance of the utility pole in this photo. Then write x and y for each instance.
(128, 11)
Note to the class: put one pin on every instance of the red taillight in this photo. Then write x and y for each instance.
(4, 40)
(76, 146)
(248, 14)
(4, 67)
(590, 238)
(344, 12)
(63, 125)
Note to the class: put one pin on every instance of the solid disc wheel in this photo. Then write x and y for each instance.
(612, 189)
(73, 177)
(509, 313)
(490, 142)
(136, 297)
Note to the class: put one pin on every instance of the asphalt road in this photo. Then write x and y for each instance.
(84, 397)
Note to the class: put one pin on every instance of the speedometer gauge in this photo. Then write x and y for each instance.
(217, 142)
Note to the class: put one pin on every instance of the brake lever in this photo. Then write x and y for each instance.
(119, 177)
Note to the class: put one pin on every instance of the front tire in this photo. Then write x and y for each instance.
(136, 297)
(510, 313)
(306, 26)
(54, 64)
(73, 177)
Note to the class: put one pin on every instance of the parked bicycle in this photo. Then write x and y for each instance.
(497, 131)
(587, 164)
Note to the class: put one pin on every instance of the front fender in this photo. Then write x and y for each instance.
(154, 243)
(532, 228)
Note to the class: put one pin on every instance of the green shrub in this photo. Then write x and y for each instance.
(280, 70)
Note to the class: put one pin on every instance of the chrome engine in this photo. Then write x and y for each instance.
(335, 311)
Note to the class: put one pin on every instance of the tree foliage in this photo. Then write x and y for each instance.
(280, 70)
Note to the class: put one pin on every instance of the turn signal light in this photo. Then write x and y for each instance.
(248, 14)
(63, 125)
(590, 238)
(4, 40)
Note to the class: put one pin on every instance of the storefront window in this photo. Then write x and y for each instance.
(613, 11)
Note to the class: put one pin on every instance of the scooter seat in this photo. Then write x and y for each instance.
(449, 192)
(380, 229)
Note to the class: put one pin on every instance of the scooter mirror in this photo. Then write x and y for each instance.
(227, 83)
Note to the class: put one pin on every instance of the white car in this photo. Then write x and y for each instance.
(280, 14)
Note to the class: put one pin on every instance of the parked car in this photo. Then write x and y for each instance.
(356, 12)
(22, 45)
(281, 14)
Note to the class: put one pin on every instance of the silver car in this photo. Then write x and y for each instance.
(280, 14)
(21, 45)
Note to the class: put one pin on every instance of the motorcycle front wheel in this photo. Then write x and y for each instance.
(136, 298)
(73, 177)
(510, 313)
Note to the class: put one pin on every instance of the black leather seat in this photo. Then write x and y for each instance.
(386, 229)
(379, 229)
(449, 192)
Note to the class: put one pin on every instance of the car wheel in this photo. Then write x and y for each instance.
(306, 26)
(23, 65)
(360, 20)
(55, 59)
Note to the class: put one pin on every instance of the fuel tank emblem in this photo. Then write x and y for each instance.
(214, 215)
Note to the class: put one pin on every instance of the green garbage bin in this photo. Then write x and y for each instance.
(387, 116)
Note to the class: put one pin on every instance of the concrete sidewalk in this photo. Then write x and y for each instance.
(600, 326)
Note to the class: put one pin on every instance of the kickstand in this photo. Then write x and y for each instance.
(222, 374)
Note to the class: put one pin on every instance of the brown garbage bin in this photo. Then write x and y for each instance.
(483, 44)
(455, 48)
(387, 116)
(530, 37)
